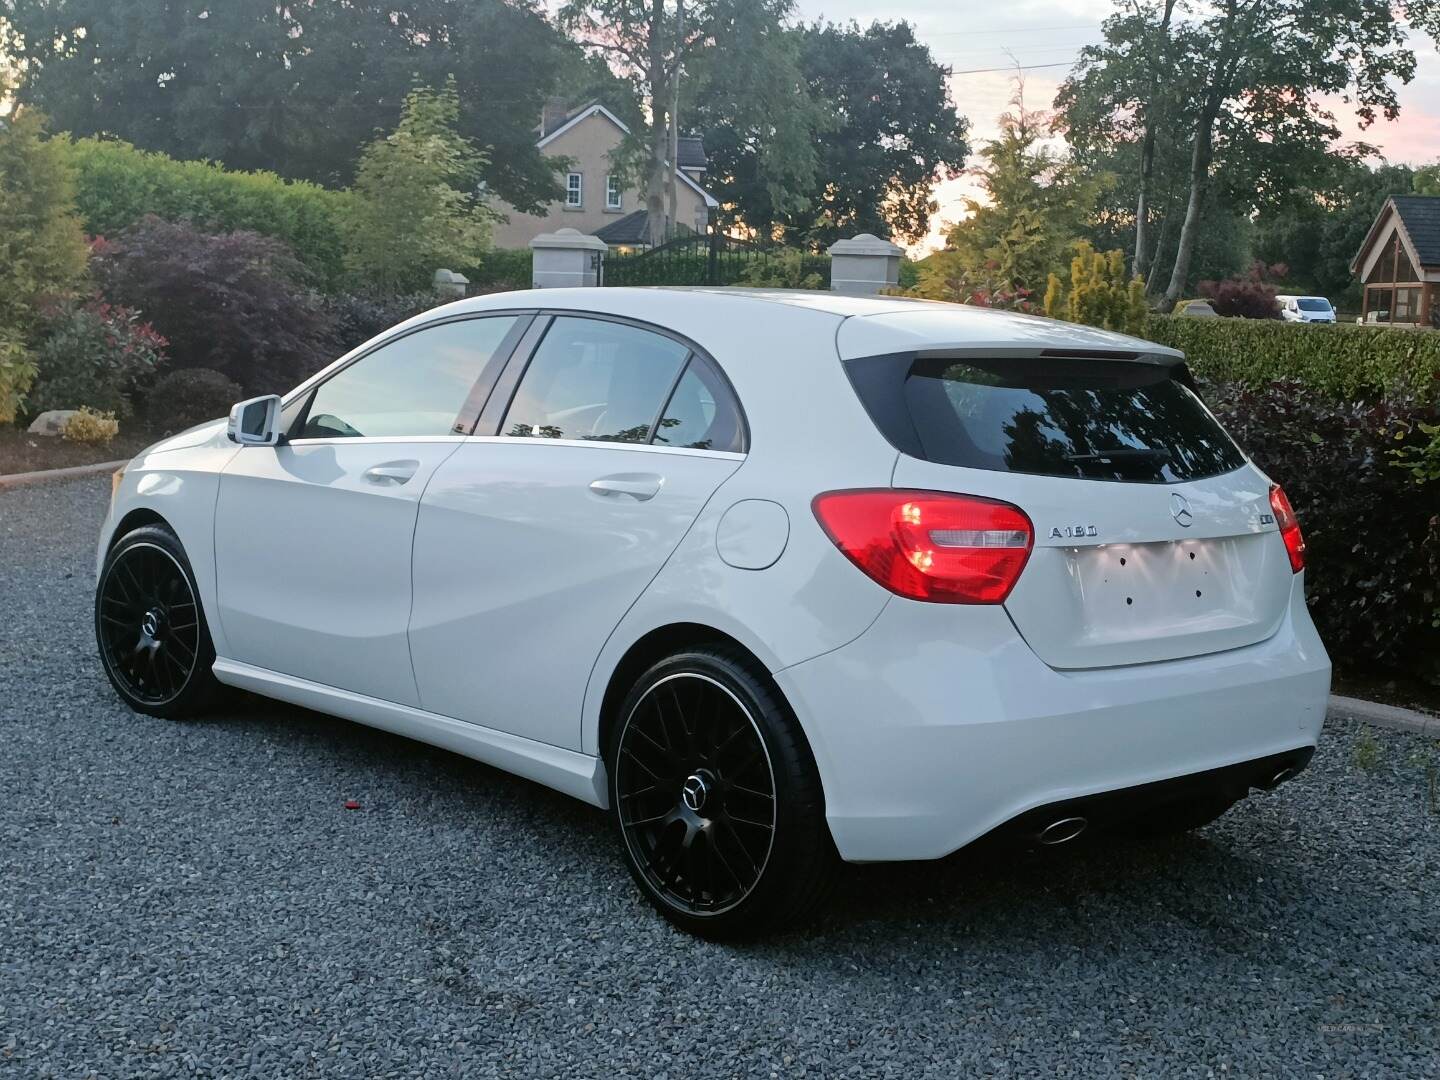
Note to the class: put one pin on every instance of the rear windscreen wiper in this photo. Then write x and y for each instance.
(1127, 452)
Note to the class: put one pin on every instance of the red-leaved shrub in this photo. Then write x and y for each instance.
(92, 354)
(239, 303)
(1248, 296)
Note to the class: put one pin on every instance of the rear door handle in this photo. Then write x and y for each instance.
(392, 472)
(639, 486)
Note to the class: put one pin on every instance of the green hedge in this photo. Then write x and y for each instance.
(118, 184)
(1343, 360)
(733, 268)
(507, 268)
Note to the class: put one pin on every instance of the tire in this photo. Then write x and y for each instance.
(716, 799)
(150, 628)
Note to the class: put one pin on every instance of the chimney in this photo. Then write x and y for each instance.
(552, 115)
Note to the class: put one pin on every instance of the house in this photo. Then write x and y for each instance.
(1399, 263)
(595, 202)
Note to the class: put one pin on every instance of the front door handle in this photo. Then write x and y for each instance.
(392, 472)
(638, 486)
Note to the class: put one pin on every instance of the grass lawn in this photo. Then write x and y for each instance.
(21, 452)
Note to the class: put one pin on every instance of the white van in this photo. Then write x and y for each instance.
(1305, 309)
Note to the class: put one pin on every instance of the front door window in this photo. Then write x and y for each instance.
(414, 385)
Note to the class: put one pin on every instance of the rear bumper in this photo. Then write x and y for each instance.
(1138, 804)
(939, 725)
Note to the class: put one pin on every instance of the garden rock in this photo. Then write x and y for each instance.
(52, 422)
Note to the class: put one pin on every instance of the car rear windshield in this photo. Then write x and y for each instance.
(1310, 303)
(1052, 416)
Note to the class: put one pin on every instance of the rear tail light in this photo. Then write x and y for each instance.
(927, 545)
(1289, 528)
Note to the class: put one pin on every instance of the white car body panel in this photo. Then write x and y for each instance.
(313, 559)
(564, 770)
(515, 556)
(930, 723)
(940, 724)
(177, 480)
(1070, 603)
(949, 326)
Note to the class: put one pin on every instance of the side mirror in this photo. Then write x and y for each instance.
(255, 422)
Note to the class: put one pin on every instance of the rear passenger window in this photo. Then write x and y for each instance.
(596, 380)
(702, 413)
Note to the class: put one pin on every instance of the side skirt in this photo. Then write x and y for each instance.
(567, 771)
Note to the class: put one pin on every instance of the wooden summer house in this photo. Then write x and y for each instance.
(1399, 263)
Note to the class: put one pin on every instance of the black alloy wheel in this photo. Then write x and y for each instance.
(717, 799)
(697, 793)
(150, 628)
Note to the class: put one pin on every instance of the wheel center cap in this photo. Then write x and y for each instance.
(695, 791)
(150, 624)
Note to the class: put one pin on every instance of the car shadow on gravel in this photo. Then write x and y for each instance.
(987, 884)
(372, 755)
(1104, 889)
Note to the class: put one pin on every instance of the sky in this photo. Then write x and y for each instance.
(973, 37)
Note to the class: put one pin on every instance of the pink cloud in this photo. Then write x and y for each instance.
(1413, 138)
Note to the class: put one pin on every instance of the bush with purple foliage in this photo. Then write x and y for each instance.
(1248, 296)
(354, 318)
(1372, 527)
(239, 303)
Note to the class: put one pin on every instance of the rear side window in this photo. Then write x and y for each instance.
(592, 379)
(702, 414)
(1052, 416)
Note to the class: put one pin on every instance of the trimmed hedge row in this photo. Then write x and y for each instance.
(1340, 361)
(117, 185)
(733, 268)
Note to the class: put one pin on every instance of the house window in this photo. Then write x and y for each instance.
(612, 193)
(575, 189)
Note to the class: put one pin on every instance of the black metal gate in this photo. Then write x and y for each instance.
(712, 258)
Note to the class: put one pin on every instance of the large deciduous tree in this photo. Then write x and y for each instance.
(896, 132)
(1248, 83)
(653, 42)
(749, 100)
(1319, 231)
(1126, 113)
(297, 88)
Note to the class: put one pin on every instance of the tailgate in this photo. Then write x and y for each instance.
(1130, 573)
(1154, 537)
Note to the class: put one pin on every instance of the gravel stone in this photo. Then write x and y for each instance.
(193, 899)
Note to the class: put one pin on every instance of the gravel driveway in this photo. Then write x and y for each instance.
(193, 899)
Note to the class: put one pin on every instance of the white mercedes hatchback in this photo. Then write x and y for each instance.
(774, 577)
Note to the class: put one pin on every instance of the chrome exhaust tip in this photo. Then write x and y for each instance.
(1062, 831)
(1281, 776)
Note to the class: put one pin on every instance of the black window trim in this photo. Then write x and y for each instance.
(508, 383)
(892, 418)
(654, 428)
(480, 391)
